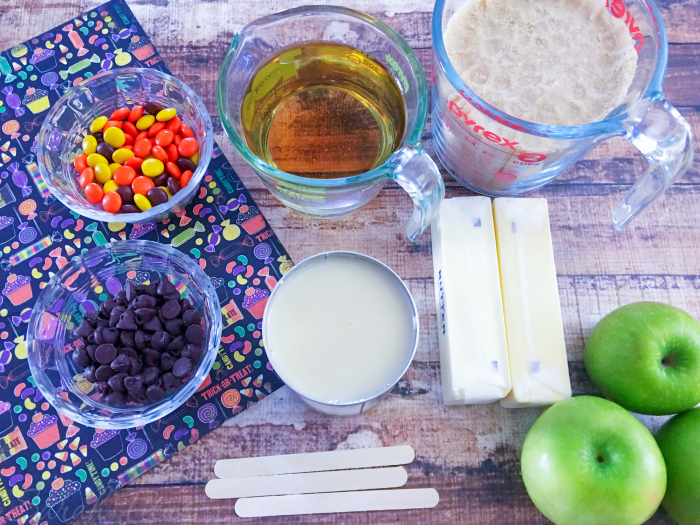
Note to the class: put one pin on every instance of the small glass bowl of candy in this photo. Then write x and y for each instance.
(98, 352)
(127, 113)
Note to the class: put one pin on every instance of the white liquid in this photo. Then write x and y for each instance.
(339, 330)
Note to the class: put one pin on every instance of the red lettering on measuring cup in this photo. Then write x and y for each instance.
(618, 10)
(531, 157)
(488, 135)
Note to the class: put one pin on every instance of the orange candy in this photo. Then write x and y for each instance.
(173, 170)
(164, 138)
(186, 131)
(188, 146)
(130, 129)
(128, 139)
(80, 163)
(177, 140)
(185, 179)
(172, 152)
(174, 124)
(142, 184)
(120, 114)
(112, 201)
(142, 148)
(87, 176)
(124, 176)
(142, 135)
(155, 128)
(94, 193)
(112, 124)
(160, 154)
(134, 162)
(135, 113)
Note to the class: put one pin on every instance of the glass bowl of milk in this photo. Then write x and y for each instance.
(340, 329)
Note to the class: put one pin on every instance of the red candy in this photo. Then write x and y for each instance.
(142, 184)
(135, 113)
(160, 154)
(174, 124)
(112, 201)
(173, 169)
(124, 176)
(188, 146)
(87, 176)
(130, 129)
(164, 138)
(155, 128)
(112, 124)
(94, 193)
(135, 163)
(80, 163)
(172, 152)
(186, 131)
(142, 148)
(185, 179)
(142, 135)
(120, 114)
(128, 139)
(177, 140)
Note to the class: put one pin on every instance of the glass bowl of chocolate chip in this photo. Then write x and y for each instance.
(124, 334)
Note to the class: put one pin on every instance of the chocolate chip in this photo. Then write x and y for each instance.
(89, 374)
(129, 352)
(167, 361)
(151, 357)
(155, 393)
(170, 381)
(151, 375)
(127, 321)
(116, 398)
(91, 338)
(176, 345)
(186, 304)
(144, 301)
(103, 373)
(121, 298)
(130, 292)
(110, 335)
(121, 363)
(115, 315)
(165, 287)
(97, 334)
(193, 352)
(194, 334)
(91, 351)
(171, 309)
(182, 367)
(102, 323)
(159, 315)
(152, 289)
(116, 382)
(105, 354)
(133, 384)
(101, 388)
(81, 357)
(91, 317)
(142, 339)
(160, 341)
(173, 326)
(191, 316)
(143, 315)
(127, 338)
(154, 325)
(83, 330)
(136, 366)
(175, 296)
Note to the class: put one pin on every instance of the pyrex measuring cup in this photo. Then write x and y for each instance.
(493, 153)
(409, 165)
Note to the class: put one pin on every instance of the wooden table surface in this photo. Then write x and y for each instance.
(470, 454)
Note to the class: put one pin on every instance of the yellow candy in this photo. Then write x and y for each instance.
(195, 158)
(166, 114)
(114, 166)
(114, 137)
(102, 173)
(89, 145)
(95, 158)
(110, 185)
(141, 202)
(152, 167)
(145, 122)
(122, 155)
(167, 191)
(98, 124)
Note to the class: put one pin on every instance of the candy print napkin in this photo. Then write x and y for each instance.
(52, 469)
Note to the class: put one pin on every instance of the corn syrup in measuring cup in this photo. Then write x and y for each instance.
(323, 110)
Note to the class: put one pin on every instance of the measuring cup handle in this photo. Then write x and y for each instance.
(418, 174)
(664, 137)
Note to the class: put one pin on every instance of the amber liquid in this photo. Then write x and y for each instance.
(324, 111)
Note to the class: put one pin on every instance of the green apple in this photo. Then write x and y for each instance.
(646, 358)
(679, 441)
(587, 461)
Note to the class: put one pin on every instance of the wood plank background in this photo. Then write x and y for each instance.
(470, 454)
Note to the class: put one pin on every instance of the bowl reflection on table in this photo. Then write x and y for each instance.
(82, 285)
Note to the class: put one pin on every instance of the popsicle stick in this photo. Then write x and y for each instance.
(362, 501)
(314, 462)
(307, 483)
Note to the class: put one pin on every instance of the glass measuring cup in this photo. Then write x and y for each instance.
(494, 153)
(409, 165)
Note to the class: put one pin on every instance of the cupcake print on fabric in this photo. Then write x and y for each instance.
(65, 499)
(44, 430)
(255, 301)
(107, 443)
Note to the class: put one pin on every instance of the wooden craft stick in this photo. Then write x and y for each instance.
(307, 483)
(314, 462)
(362, 501)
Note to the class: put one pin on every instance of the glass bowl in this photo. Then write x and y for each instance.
(81, 286)
(67, 122)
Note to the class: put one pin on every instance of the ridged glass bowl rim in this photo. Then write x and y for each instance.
(380, 172)
(148, 413)
(611, 125)
(202, 165)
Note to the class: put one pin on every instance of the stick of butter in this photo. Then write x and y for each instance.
(536, 349)
(471, 329)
